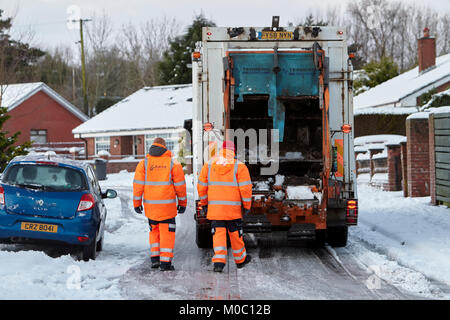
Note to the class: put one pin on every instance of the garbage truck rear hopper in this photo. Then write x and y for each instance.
(284, 95)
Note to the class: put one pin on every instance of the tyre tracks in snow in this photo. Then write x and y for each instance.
(279, 270)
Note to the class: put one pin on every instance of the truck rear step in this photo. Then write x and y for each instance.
(298, 232)
(256, 223)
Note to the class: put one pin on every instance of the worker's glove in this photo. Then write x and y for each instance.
(246, 211)
(181, 209)
(205, 210)
(138, 209)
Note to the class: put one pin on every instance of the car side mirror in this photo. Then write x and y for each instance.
(109, 194)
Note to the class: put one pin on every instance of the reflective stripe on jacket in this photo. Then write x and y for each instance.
(225, 186)
(158, 182)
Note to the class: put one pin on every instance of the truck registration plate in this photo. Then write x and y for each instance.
(276, 35)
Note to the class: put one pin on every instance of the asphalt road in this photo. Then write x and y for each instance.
(279, 270)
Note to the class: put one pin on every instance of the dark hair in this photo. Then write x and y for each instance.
(160, 141)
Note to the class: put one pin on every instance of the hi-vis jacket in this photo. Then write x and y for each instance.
(224, 185)
(158, 181)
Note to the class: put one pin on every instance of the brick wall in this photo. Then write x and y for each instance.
(394, 167)
(418, 159)
(117, 166)
(90, 146)
(404, 156)
(121, 145)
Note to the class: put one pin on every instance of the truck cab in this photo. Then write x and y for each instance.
(284, 95)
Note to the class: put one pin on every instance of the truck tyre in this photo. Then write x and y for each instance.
(320, 239)
(337, 236)
(203, 236)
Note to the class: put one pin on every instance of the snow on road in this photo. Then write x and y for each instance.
(400, 244)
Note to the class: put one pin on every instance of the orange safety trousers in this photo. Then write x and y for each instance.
(162, 240)
(219, 230)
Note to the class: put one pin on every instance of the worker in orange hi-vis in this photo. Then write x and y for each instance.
(158, 182)
(225, 190)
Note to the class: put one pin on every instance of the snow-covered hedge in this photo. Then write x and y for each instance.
(439, 99)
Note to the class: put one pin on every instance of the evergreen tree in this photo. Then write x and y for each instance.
(8, 150)
(173, 68)
(17, 59)
(374, 73)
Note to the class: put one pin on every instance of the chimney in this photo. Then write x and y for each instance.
(426, 51)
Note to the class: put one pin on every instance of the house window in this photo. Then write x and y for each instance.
(170, 138)
(102, 143)
(38, 136)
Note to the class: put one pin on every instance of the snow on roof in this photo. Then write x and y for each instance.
(419, 115)
(386, 110)
(378, 139)
(397, 88)
(14, 94)
(426, 113)
(445, 109)
(363, 156)
(148, 108)
(383, 154)
(360, 149)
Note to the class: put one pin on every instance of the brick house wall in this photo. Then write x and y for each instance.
(40, 111)
(122, 145)
(418, 159)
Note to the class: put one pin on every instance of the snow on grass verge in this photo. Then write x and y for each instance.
(407, 239)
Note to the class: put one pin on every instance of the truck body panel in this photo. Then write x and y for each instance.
(295, 83)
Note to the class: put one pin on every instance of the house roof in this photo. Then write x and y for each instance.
(148, 108)
(14, 94)
(391, 92)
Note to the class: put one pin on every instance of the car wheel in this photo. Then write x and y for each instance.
(100, 244)
(89, 252)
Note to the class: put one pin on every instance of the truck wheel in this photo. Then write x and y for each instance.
(337, 236)
(203, 236)
(319, 241)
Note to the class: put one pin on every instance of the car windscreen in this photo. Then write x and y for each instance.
(45, 177)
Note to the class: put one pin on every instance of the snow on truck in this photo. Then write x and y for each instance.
(292, 86)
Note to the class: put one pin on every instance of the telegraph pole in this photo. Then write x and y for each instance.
(86, 108)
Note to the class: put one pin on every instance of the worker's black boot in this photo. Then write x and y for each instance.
(248, 258)
(155, 262)
(218, 266)
(166, 266)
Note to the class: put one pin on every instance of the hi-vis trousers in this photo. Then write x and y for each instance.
(162, 240)
(219, 230)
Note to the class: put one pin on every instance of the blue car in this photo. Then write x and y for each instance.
(53, 200)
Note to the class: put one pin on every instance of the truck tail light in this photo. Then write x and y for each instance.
(346, 128)
(196, 55)
(2, 196)
(352, 212)
(87, 202)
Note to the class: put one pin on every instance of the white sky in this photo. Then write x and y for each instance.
(47, 18)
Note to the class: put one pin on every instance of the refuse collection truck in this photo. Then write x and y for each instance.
(284, 95)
